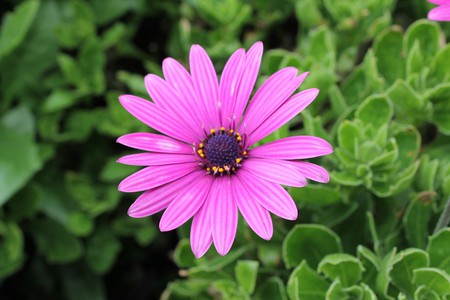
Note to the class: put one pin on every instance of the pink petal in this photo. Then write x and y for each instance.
(311, 171)
(154, 142)
(224, 215)
(274, 92)
(165, 96)
(270, 195)
(295, 147)
(157, 199)
(201, 237)
(180, 79)
(186, 204)
(229, 85)
(154, 176)
(292, 107)
(252, 63)
(275, 171)
(440, 13)
(439, 1)
(205, 82)
(155, 159)
(158, 119)
(257, 217)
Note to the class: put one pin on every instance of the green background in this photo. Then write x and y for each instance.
(384, 75)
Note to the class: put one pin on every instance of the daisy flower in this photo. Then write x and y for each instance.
(441, 12)
(204, 163)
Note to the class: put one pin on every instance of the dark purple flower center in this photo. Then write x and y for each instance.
(221, 152)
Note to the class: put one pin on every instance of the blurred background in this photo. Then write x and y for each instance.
(383, 72)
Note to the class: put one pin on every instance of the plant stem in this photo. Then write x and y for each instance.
(444, 219)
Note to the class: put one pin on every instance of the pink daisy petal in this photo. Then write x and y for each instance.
(274, 91)
(292, 107)
(275, 171)
(257, 217)
(201, 236)
(271, 196)
(154, 176)
(311, 171)
(440, 13)
(180, 79)
(439, 1)
(252, 63)
(153, 116)
(165, 96)
(205, 82)
(154, 142)
(155, 159)
(157, 199)
(295, 147)
(229, 85)
(186, 203)
(224, 215)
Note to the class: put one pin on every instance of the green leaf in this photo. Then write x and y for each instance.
(414, 60)
(272, 288)
(383, 278)
(409, 105)
(58, 100)
(388, 51)
(15, 26)
(405, 262)
(439, 250)
(378, 104)
(434, 279)
(309, 242)
(349, 137)
(440, 65)
(316, 195)
(427, 34)
(305, 284)
(228, 289)
(246, 272)
(113, 171)
(423, 293)
(101, 251)
(183, 256)
(416, 221)
(19, 160)
(308, 13)
(345, 267)
(80, 224)
(11, 248)
(55, 243)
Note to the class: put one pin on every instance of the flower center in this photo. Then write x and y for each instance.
(222, 151)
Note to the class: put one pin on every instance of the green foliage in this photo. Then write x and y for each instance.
(384, 105)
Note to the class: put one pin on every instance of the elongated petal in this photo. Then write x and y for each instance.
(295, 147)
(257, 217)
(252, 63)
(274, 91)
(224, 215)
(155, 159)
(201, 236)
(154, 176)
(440, 13)
(169, 99)
(158, 119)
(205, 82)
(275, 171)
(157, 199)
(292, 107)
(270, 195)
(154, 142)
(310, 170)
(229, 85)
(186, 204)
(180, 79)
(439, 1)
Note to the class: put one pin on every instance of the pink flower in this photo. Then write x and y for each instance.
(441, 12)
(204, 164)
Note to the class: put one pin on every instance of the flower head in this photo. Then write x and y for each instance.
(441, 12)
(204, 164)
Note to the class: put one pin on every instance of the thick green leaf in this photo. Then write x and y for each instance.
(183, 256)
(345, 267)
(439, 250)
(15, 26)
(316, 195)
(349, 137)
(102, 250)
(272, 288)
(416, 221)
(246, 272)
(375, 110)
(434, 279)
(305, 284)
(383, 277)
(309, 242)
(427, 33)
(388, 51)
(11, 248)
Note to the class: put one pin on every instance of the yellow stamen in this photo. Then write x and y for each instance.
(238, 160)
(222, 128)
(233, 168)
(239, 138)
(244, 153)
(201, 145)
(212, 130)
(221, 170)
(202, 155)
(208, 169)
(231, 131)
(214, 168)
(199, 151)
